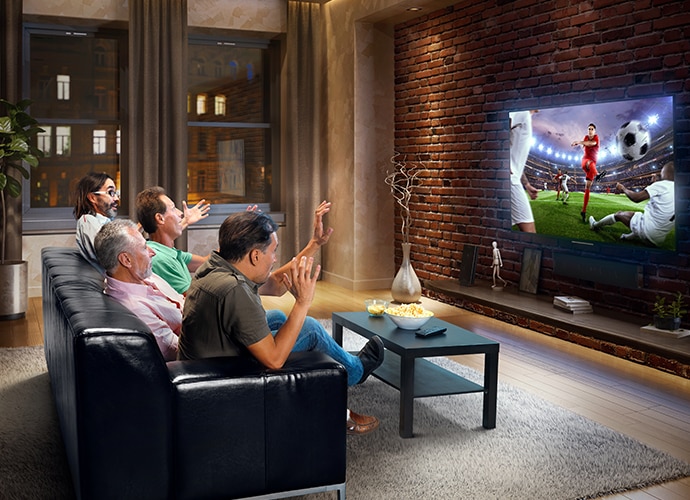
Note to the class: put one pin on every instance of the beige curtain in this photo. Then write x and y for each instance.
(157, 100)
(11, 90)
(304, 180)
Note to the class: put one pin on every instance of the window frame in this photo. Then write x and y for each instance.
(270, 68)
(51, 219)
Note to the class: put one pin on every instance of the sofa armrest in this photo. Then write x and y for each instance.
(246, 429)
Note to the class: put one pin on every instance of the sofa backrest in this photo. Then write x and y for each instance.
(110, 382)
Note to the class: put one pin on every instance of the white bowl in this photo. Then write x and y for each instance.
(408, 322)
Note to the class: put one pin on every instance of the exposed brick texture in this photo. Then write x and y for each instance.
(460, 70)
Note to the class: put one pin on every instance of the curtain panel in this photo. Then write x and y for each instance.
(304, 180)
(11, 90)
(157, 132)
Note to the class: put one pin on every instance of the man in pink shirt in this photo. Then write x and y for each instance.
(123, 253)
(126, 258)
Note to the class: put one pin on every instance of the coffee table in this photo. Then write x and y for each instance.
(405, 369)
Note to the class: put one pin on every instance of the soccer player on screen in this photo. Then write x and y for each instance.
(520, 188)
(565, 178)
(590, 145)
(657, 218)
(557, 180)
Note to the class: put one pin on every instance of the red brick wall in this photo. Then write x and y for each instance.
(460, 70)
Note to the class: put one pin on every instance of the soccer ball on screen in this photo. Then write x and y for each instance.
(633, 140)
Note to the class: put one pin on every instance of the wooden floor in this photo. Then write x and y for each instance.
(647, 404)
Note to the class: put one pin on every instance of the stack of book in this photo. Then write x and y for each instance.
(572, 304)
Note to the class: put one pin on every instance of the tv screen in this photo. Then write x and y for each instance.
(596, 173)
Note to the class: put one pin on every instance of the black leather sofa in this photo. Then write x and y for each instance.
(135, 426)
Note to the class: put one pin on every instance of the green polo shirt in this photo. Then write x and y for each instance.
(222, 313)
(171, 265)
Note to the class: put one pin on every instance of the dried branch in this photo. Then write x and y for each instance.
(402, 181)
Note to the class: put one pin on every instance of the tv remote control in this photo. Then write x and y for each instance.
(428, 332)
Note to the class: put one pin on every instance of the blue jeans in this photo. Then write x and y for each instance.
(314, 337)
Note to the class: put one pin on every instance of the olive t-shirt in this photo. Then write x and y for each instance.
(222, 313)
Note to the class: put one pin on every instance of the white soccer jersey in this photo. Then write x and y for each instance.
(658, 220)
(520, 143)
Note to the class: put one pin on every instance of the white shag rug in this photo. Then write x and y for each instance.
(537, 450)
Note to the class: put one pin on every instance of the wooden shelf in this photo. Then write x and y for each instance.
(525, 308)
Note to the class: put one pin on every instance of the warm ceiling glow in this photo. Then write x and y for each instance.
(414, 9)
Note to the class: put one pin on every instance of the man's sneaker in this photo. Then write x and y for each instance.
(371, 356)
(591, 223)
(583, 215)
(601, 175)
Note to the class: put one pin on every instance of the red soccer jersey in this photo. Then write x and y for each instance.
(591, 152)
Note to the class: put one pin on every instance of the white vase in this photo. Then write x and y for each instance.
(406, 287)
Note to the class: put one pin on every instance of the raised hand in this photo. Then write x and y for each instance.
(321, 237)
(194, 214)
(301, 282)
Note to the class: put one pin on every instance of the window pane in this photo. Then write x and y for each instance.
(233, 73)
(80, 89)
(72, 156)
(228, 165)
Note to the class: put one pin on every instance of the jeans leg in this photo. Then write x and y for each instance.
(314, 337)
(275, 318)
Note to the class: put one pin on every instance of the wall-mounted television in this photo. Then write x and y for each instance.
(635, 143)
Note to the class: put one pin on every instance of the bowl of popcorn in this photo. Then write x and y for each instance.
(409, 316)
(375, 307)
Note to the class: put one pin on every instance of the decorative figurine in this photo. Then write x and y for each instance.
(497, 263)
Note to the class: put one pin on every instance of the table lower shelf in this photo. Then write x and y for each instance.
(429, 378)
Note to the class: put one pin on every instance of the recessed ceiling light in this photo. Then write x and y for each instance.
(414, 9)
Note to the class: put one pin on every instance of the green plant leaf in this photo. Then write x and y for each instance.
(3, 181)
(14, 187)
(5, 125)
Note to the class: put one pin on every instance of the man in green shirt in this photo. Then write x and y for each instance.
(163, 222)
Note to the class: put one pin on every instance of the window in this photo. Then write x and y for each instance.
(201, 104)
(229, 128)
(99, 142)
(63, 87)
(44, 142)
(73, 80)
(63, 136)
(220, 105)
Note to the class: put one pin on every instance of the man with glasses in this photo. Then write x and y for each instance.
(96, 203)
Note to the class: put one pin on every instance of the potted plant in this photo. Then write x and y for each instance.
(17, 129)
(667, 316)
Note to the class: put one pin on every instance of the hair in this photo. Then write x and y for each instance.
(112, 239)
(668, 171)
(88, 184)
(148, 205)
(592, 125)
(243, 232)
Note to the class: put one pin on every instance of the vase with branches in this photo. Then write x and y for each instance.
(402, 180)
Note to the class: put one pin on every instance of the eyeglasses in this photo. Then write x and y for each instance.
(110, 192)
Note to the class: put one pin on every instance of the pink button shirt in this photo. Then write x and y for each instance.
(156, 304)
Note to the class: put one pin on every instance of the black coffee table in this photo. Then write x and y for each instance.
(404, 369)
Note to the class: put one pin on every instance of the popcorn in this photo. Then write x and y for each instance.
(409, 311)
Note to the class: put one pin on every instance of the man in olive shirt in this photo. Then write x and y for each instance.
(223, 314)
